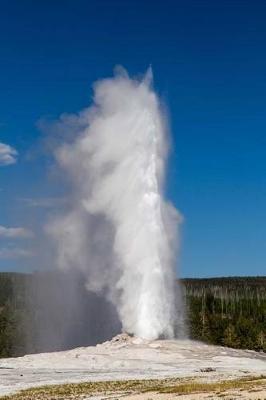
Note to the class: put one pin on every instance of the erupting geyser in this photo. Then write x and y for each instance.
(120, 230)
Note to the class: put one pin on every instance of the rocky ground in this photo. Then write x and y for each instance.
(127, 358)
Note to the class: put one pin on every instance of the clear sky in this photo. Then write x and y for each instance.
(209, 64)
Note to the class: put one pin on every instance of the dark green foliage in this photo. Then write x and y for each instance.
(223, 311)
(13, 289)
(228, 311)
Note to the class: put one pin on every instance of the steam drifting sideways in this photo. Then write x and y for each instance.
(119, 229)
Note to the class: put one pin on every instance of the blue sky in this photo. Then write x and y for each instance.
(209, 64)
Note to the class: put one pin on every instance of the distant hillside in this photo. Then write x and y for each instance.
(229, 311)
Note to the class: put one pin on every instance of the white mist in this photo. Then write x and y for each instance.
(120, 229)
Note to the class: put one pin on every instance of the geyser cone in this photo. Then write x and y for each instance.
(120, 229)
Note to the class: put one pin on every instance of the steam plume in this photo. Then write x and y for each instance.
(120, 230)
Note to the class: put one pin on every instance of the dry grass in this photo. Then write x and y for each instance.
(201, 387)
(78, 391)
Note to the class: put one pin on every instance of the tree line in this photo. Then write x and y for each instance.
(223, 311)
(227, 311)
